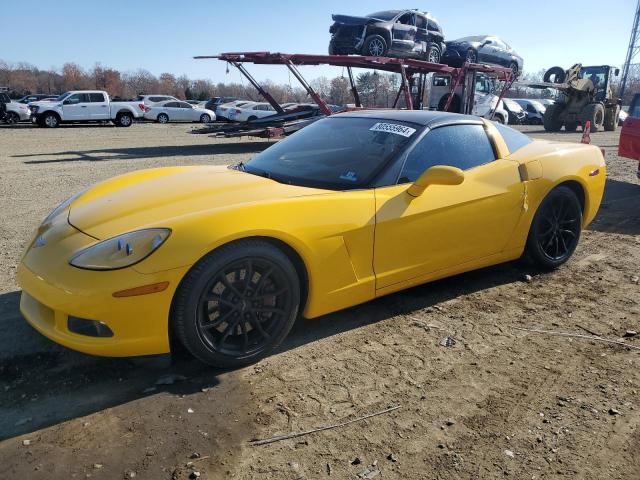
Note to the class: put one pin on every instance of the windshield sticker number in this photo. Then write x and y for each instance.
(350, 176)
(393, 128)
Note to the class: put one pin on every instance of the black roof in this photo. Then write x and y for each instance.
(428, 118)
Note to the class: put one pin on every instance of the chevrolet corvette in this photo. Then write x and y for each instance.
(353, 207)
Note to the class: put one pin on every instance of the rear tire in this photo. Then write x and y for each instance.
(594, 113)
(514, 68)
(224, 315)
(551, 120)
(124, 120)
(12, 118)
(375, 46)
(555, 229)
(472, 56)
(611, 119)
(163, 118)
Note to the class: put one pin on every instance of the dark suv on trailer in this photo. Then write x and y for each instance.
(396, 33)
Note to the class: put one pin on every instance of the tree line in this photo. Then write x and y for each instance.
(376, 89)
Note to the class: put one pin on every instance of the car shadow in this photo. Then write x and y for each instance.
(149, 152)
(619, 212)
(43, 384)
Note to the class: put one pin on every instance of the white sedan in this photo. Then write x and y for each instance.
(247, 113)
(177, 111)
(222, 111)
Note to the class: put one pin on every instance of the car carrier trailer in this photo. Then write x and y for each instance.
(413, 82)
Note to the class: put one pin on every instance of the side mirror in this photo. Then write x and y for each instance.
(436, 175)
(71, 101)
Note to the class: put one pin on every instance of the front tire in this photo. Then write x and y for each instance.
(237, 304)
(514, 68)
(163, 118)
(50, 120)
(472, 56)
(611, 119)
(204, 118)
(555, 229)
(551, 119)
(594, 112)
(375, 46)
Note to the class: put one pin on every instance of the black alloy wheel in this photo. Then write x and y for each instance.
(237, 304)
(556, 228)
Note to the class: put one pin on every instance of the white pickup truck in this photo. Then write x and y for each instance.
(84, 106)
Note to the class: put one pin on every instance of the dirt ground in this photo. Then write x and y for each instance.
(500, 402)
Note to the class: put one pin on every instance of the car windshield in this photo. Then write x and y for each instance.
(62, 97)
(596, 74)
(335, 153)
(477, 38)
(512, 105)
(386, 16)
(538, 106)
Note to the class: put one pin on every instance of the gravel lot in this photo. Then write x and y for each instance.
(501, 401)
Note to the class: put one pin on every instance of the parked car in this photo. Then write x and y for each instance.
(15, 112)
(250, 112)
(176, 111)
(215, 102)
(85, 106)
(222, 111)
(533, 110)
(515, 111)
(333, 216)
(396, 33)
(482, 49)
(153, 99)
(35, 98)
(629, 145)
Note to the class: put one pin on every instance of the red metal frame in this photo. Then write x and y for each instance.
(406, 67)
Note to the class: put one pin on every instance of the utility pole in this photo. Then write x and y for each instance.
(634, 49)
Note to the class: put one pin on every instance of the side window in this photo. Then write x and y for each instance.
(171, 105)
(421, 22)
(513, 138)
(462, 146)
(78, 98)
(531, 108)
(157, 99)
(406, 19)
(431, 25)
(185, 105)
(97, 97)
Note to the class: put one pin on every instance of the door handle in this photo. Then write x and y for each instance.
(103, 106)
(83, 106)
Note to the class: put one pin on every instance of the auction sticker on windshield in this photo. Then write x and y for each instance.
(393, 128)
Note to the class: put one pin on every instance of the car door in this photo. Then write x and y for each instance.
(629, 145)
(98, 106)
(76, 107)
(487, 51)
(404, 33)
(186, 112)
(448, 225)
(172, 109)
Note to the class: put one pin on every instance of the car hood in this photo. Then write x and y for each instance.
(155, 197)
(351, 20)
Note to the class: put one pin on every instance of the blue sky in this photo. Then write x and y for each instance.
(163, 35)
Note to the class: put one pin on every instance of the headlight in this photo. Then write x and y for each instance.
(61, 208)
(121, 251)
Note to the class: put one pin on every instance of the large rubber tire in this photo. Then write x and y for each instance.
(375, 46)
(205, 118)
(500, 119)
(594, 112)
(50, 120)
(12, 118)
(163, 118)
(455, 106)
(555, 75)
(235, 301)
(124, 120)
(611, 119)
(432, 54)
(471, 56)
(558, 217)
(551, 121)
(571, 126)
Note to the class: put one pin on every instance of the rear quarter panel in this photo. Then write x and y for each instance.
(545, 165)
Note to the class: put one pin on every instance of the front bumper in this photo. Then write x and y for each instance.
(53, 290)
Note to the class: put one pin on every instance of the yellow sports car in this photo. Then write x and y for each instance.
(354, 206)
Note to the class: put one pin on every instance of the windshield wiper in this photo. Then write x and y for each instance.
(239, 166)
